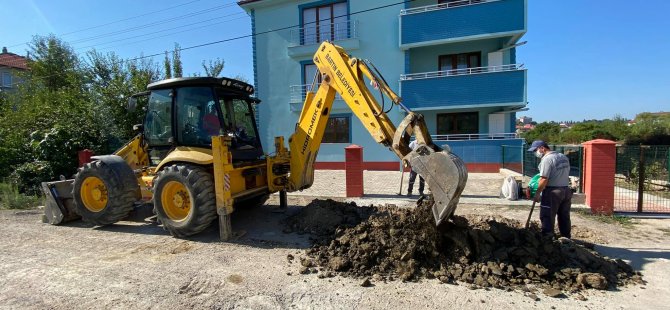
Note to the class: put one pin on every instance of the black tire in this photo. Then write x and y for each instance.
(199, 184)
(122, 191)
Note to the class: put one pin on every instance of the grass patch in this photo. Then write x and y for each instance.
(607, 219)
(10, 198)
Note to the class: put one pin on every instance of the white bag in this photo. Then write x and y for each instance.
(510, 189)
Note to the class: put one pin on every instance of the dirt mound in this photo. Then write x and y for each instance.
(322, 217)
(486, 251)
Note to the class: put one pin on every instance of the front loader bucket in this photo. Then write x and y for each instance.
(446, 176)
(59, 205)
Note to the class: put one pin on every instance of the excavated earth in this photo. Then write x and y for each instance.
(389, 243)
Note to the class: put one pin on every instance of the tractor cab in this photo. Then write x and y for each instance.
(185, 113)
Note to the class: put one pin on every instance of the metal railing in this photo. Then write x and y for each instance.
(448, 5)
(299, 92)
(642, 178)
(475, 136)
(317, 33)
(464, 71)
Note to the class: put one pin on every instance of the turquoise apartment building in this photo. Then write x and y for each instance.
(452, 61)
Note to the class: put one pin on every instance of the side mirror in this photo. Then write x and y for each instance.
(132, 104)
(138, 128)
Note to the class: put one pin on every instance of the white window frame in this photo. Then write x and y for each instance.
(9, 76)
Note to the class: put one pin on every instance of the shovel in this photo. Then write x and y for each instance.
(402, 175)
(529, 214)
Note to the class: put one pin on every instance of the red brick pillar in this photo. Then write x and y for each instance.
(353, 167)
(85, 157)
(599, 167)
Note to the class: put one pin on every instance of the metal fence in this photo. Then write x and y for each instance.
(642, 179)
(517, 159)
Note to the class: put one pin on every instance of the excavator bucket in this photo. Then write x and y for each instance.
(445, 174)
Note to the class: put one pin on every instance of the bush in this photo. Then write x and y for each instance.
(29, 176)
(10, 198)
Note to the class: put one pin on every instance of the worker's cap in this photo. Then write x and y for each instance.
(536, 144)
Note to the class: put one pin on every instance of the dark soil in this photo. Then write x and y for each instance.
(321, 217)
(387, 243)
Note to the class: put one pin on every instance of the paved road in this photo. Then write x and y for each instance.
(381, 187)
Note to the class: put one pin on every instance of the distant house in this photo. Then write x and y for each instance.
(10, 65)
(525, 120)
(564, 126)
(524, 128)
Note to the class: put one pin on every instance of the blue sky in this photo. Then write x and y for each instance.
(586, 59)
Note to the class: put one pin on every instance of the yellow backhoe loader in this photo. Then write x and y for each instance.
(198, 154)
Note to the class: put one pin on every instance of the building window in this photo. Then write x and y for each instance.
(326, 22)
(458, 123)
(6, 79)
(308, 71)
(460, 61)
(337, 130)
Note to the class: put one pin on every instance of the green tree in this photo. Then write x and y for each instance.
(49, 117)
(54, 63)
(167, 66)
(113, 81)
(650, 128)
(543, 131)
(213, 68)
(176, 61)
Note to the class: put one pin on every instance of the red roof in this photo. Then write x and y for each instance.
(13, 61)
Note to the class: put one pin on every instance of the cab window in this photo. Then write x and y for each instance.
(238, 115)
(158, 121)
(197, 116)
(244, 126)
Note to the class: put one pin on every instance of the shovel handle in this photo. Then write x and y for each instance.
(402, 176)
(530, 214)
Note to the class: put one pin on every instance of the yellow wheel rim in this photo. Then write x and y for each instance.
(176, 200)
(94, 194)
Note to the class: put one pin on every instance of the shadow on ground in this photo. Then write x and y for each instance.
(637, 257)
(258, 226)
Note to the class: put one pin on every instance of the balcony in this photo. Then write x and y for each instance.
(304, 41)
(475, 136)
(465, 88)
(299, 92)
(461, 21)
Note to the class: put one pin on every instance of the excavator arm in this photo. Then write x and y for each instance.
(444, 172)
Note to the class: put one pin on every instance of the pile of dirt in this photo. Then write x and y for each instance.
(485, 251)
(322, 217)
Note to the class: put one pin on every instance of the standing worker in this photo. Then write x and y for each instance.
(412, 174)
(553, 191)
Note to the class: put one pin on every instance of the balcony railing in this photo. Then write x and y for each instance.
(441, 6)
(475, 136)
(299, 92)
(462, 21)
(482, 86)
(316, 33)
(464, 71)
